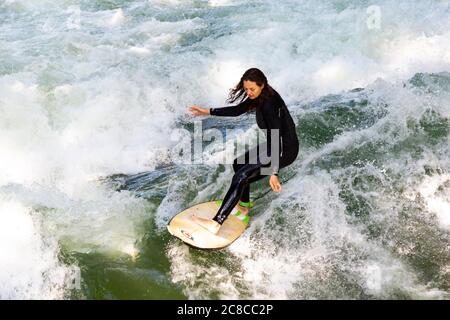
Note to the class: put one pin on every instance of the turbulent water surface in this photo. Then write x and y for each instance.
(91, 93)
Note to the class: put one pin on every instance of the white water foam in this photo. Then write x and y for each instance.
(29, 262)
(102, 95)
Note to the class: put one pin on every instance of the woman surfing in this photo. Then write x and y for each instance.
(272, 115)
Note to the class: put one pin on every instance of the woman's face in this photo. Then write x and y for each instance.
(252, 89)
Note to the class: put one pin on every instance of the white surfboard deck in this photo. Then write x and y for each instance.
(183, 227)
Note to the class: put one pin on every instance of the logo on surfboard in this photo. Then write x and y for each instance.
(187, 234)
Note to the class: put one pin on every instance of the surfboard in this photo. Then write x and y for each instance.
(184, 228)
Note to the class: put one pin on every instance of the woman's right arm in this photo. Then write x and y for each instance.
(232, 111)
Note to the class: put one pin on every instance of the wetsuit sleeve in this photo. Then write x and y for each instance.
(272, 115)
(232, 111)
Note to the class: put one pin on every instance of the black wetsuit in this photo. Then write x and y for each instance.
(271, 114)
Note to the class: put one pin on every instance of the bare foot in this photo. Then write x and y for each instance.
(243, 210)
(210, 225)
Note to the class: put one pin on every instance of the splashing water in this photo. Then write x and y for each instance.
(91, 91)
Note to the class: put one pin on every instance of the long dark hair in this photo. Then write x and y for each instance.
(255, 75)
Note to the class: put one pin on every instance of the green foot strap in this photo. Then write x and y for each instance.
(244, 218)
(249, 204)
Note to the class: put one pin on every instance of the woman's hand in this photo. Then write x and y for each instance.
(198, 111)
(275, 183)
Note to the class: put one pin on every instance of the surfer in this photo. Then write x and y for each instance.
(272, 115)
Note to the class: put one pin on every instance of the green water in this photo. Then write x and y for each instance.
(92, 91)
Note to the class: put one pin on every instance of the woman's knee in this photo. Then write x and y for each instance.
(244, 176)
(240, 177)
